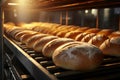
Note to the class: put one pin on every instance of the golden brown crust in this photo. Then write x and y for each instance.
(79, 37)
(13, 31)
(79, 56)
(19, 34)
(88, 37)
(33, 39)
(98, 40)
(111, 46)
(82, 29)
(72, 34)
(105, 32)
(39, 44)
(114, 34)
(50, 47)
(61, 33)
(92, 30)
(24, 38)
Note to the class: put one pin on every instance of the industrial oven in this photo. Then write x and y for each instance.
(19, 62)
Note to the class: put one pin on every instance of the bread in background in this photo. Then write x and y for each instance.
(111, 47)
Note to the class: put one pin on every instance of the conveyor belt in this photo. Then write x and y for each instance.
(43, 68)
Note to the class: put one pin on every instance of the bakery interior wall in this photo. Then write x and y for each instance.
(105, 17)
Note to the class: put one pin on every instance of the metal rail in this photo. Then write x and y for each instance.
(1, 44)
(34, 68)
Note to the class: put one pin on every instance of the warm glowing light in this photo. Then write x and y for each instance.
(106, 12)
(86, 11)
(13, 4)
(23, 2)
(94, 12)
(22, 9)
(20, 2)
(15, 12)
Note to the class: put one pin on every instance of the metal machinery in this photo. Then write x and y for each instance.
(20, 63)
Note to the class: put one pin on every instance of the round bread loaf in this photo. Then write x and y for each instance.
(30, 42)
(88, 37)
(79, 56)
(39, 44)
(50, 47)
(72, 34)
(111, 46)
(105, 32)
(98, 40)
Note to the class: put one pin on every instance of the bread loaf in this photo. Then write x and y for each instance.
(105, 32)
(39, 44)
(92, 30)
(50, 47)
(88, 37)
(60, 29)
(77, 56)
(82, 29)
(114, 34)
(24, 38)
(19, 34)
(72, 34)
(61, 33)
(7, 27)
(55, 31)
(79, 37)
(30, 42)
(13, 31)
(97, 40)
(36, 28)
(111, 46)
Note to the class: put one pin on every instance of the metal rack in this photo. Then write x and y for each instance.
(43, 68)
(32, 62)
(53, 5)
(14, 70)
(36, 70)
